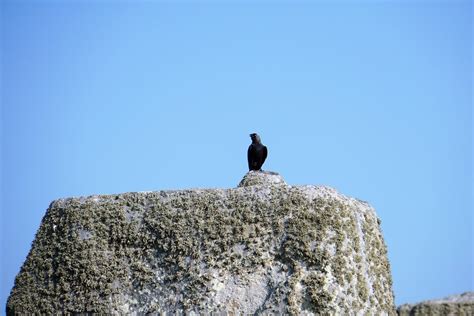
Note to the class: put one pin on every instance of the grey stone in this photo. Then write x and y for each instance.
(262, 248)
(462, 304)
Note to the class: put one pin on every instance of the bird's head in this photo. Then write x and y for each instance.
(255, 138)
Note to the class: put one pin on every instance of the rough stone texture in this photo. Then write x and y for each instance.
(262, 248)
(462, 304)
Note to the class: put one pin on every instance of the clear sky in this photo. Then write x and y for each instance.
(372, 98)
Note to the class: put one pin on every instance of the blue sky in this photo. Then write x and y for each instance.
(373, 98)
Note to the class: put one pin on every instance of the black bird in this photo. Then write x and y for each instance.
(257, 153)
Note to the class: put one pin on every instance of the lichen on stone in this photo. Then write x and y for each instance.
(461, 304)
(264, 247)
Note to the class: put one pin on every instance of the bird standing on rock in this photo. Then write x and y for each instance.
(257, 153)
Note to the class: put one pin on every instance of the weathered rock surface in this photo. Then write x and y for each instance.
(264, 247)
(462, 304)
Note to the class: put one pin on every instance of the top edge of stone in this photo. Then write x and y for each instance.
(253, 181)
(466, 297)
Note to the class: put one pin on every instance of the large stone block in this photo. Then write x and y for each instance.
(264, 247)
